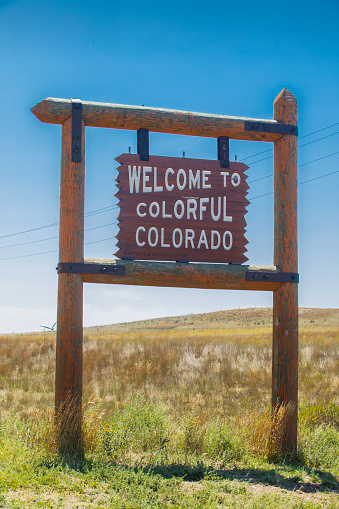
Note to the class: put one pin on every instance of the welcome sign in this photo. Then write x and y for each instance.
(180, 209)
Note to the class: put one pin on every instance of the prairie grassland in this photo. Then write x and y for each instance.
(206, 365)
(176, 415)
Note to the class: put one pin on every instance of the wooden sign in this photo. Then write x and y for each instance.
(179, 209)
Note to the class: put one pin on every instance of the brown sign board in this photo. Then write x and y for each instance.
(180, 209)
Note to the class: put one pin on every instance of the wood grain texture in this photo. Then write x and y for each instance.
(166, 226)
(119, 116)
(183, 275)
(68, 375)
(285, 299)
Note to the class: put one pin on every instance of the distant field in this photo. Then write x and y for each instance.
(213, 363)
(178, 392)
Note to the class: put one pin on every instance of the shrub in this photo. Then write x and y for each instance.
(140, 427)
(223, 443)
(319, 446)
(192, 439)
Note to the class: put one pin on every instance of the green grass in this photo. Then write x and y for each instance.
(143, 457)
(173, 419)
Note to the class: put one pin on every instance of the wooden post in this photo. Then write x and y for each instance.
(285, 299)
(68, 377)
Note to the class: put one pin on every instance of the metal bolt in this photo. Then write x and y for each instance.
(115, 269)
(255, 276)
(103, 269)
(76, 149)
(266, 276)
(75, 137)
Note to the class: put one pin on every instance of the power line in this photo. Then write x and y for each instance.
(300, 138)
(53, 251)
(318, 139)
(110, 207)
(319, 159)
(300, 183)
(53, 238)
(112, 238)
(303, 164)
(94, 212)
(270, 157)
(29, 231)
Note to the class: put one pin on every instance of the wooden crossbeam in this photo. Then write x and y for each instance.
(120, 116)
(217, 276)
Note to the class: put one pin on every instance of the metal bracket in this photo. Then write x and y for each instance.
(224, 151)
(266, 127)
(143, 144)
(76, 130)
(90, 268)
(281, 277)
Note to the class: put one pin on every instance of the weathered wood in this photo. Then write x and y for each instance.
(119, 116)
(166, 215)
(68, 375)
(183, 275)
(285, 299)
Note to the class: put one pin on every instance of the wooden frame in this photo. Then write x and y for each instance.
(68, 381)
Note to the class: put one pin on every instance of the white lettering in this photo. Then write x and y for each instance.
(202, 239)
(168, 187)
(156, 236)
(193, 181)
(141, 214)
(155, 205)
(203, 206)
(145, 178)
(134, 178)
(225, 216)
(177, 244)
(183, 185)
(216, 216)
(164, 210)
(141, 228)
(205, 175)
(215, 233)
(162, 238)
(235, 179)
(227, 247)
(189, 236)
(192, 208)
(225, 174)
(157, 189)
(176, 205)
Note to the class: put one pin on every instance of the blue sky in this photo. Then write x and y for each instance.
(214, 57)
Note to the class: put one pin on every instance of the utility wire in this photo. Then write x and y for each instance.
(300, 138)
(53, 238)
(112, 238)
(53, 251)
(111, 207)
(94, 212)
(270, 157)
(300, 183)
(303, 164)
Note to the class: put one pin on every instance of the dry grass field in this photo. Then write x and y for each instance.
(185, 398)
(213, 364)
